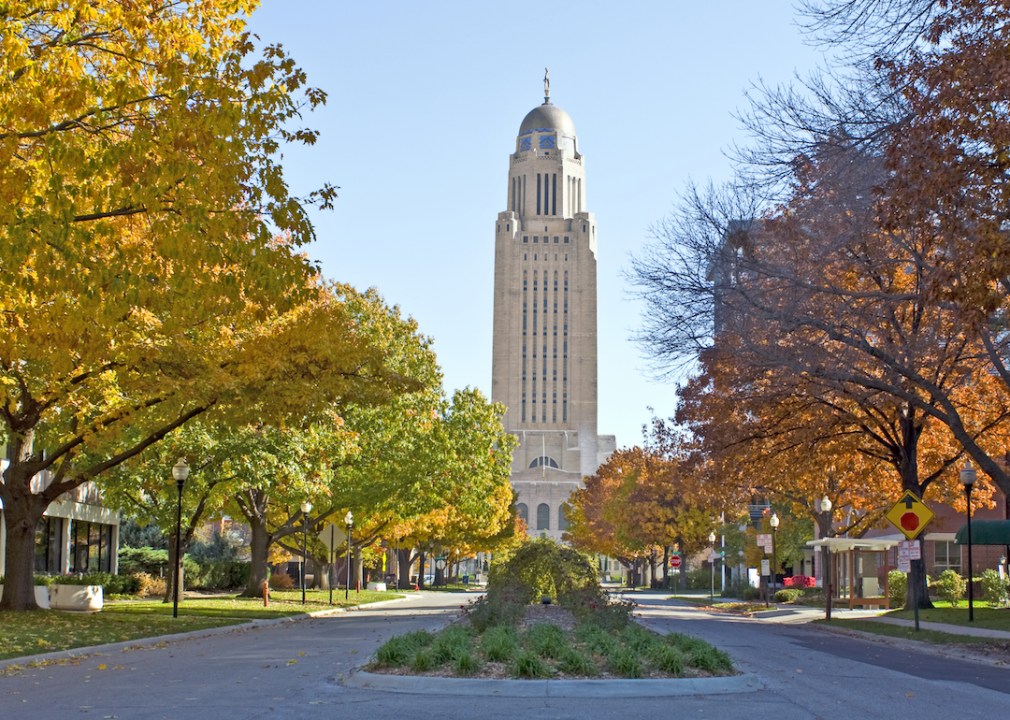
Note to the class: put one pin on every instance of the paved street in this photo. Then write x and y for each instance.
(261, 673)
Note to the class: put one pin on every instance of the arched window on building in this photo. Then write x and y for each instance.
(524, 513)
(543, 517)
(543, 460)
(562, 518)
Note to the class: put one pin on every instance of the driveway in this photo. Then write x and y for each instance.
(292, 670)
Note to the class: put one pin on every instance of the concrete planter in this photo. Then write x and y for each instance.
(83, 598)
(41, 595)
(377, 586)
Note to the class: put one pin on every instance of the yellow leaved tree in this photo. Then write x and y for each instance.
(150, 272)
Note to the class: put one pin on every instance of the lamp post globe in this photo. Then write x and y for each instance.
(968, 478)
(349, 522)
(306, 508)
(180, 471)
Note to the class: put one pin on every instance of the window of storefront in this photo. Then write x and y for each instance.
(90, 547)
(948, 556)
(48, 545)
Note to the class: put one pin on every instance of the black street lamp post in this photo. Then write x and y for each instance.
(180, 471)
(349, 521)
(306, 509)
(968, 477)
(774, 522)
(711, 542)
(825, 507)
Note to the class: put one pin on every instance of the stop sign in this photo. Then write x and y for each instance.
(675, 561)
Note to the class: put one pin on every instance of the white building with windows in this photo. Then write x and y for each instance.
(76, 535)
(544, 355)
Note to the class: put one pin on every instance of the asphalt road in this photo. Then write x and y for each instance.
(262, 673)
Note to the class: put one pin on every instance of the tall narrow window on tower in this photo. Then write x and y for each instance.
(538, 193)
(554, 194)
(547, 207)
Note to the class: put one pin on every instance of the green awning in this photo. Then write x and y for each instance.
(985, 532)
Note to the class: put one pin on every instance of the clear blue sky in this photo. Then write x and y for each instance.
(425, 101)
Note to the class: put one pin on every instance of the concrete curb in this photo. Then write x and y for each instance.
(146, 642)
(424, 685)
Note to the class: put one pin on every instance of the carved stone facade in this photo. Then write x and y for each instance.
(544, 356)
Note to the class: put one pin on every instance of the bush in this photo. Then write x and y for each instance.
(399, 650)
(222, 575)
(528, 664)
(667, 658)
(154, 562)
(542, 568)
(546, 640)
(750, 593)
(995, 589)
(151, 585)
(799, 581)
(950, 587)
(593, 605)
(897, 585)
(699, 579)
(575, 663)
(500, 609)
(500, 644)
(281, 581)
(787, 595)
(735, 589)
(623, 661)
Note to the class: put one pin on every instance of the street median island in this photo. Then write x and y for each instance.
(547, 628)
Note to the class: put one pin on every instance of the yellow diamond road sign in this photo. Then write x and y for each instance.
(909, 515)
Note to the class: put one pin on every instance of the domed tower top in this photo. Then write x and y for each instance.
(547, 117)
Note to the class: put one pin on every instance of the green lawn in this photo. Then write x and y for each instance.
(985, 617)
(909, 633)
(50, 630)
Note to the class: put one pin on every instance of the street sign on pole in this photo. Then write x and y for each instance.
(675, 561)
(332, 537)
(766, 567)
(909, 515)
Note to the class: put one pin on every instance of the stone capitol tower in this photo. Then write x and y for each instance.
(544, 357)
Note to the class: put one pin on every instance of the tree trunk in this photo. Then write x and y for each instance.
(172, 560)
(323, 572)
(403, 560)
(910, 431)
(357, 574)
(918, 590)
(22, 517)
(420, 569)
(666, 567)
(259, 552)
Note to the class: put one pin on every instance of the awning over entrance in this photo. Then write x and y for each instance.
(985, 532)
(839, 545)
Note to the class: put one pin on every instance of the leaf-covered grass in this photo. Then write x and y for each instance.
(32, 633)
(283, 603)
(545, 650)
(909, 633)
